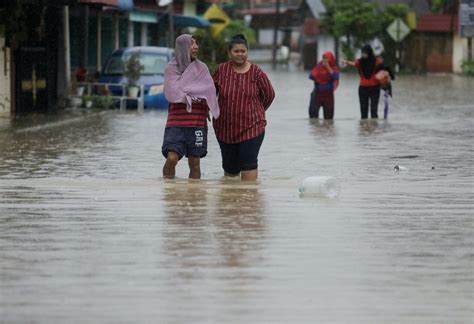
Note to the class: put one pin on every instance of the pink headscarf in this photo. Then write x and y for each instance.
(187, 79)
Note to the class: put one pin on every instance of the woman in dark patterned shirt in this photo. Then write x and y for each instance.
(244, 94)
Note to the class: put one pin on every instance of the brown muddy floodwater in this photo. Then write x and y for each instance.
(90, 233)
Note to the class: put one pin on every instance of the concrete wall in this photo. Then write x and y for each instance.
(265, 36)
(325, 43)
(459, 52)
(429, 52)
(189, 8)
(5, 104)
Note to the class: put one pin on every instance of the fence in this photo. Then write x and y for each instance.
(91, 89)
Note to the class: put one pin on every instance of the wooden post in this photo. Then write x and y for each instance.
(67, 50)
(275, 34)
(144, 34)
(116, 31)
(99, 40)
(469, 49)
(84, 51)
(130, 40)
(171, 23)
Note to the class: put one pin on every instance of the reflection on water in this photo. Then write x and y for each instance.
(323, 127)
(240, 225)
(225, 222)
(186, 235)
(89, 232)
(371, 127)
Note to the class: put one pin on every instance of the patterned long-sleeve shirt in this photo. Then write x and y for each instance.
(243, 100)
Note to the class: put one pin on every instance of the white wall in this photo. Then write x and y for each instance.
(459, 52)
(189, 8)
(5, 109)
(325, 43)
(265, 36)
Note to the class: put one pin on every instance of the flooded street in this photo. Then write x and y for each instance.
(90, 233)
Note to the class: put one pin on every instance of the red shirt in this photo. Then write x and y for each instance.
(178, 116)
(372, 82)
(243, 99)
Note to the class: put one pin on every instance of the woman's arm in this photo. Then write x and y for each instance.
(266, 91)
(215, 77)
(351, 63)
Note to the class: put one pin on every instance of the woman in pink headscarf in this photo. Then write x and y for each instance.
(326, 80)
(190, 90)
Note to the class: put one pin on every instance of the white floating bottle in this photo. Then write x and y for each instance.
(399, 168)
(320, 186)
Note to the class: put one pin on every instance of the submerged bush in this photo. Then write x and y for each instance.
(468, 67)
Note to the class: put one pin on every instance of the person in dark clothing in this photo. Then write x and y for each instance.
(388, 87)
(385, 77)
(369, 88)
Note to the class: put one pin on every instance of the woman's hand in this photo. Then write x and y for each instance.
(351, 63)
(327, 66)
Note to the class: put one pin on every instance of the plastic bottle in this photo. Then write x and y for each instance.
(399, 168)
(320, 186)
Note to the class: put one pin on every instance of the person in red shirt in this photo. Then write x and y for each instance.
(326, 80)
(369, 88)
(244, 94)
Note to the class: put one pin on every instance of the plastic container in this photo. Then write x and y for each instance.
(399, 168)
(320, 187)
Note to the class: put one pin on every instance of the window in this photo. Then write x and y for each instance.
(153, 63)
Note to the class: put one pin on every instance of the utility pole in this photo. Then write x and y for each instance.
(469, 49)
(85, 37)
(171, 23)
(67, 48)
(275, 34)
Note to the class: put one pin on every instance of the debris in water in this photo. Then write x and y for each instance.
(399, 168)
(320, 186)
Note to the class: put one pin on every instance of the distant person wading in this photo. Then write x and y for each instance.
(369, 87)
(326, 80)
(244, 94)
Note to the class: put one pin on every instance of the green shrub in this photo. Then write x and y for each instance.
(104, 102)
(468, 67)
(133, 68)
(213, 51)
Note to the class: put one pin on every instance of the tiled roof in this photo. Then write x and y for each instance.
(317, 7)
(438, 23)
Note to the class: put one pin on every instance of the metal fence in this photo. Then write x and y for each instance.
(90, 89)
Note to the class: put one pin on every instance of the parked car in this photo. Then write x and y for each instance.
(154, 60)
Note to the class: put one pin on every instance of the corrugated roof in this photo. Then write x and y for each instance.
(438, 23)
(114, 3)
(266, 10)
(317, 7)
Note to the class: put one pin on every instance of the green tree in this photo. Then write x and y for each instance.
(353, 21)
(391, 13)
(213, 51)
(238, 27)
(438, 6)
